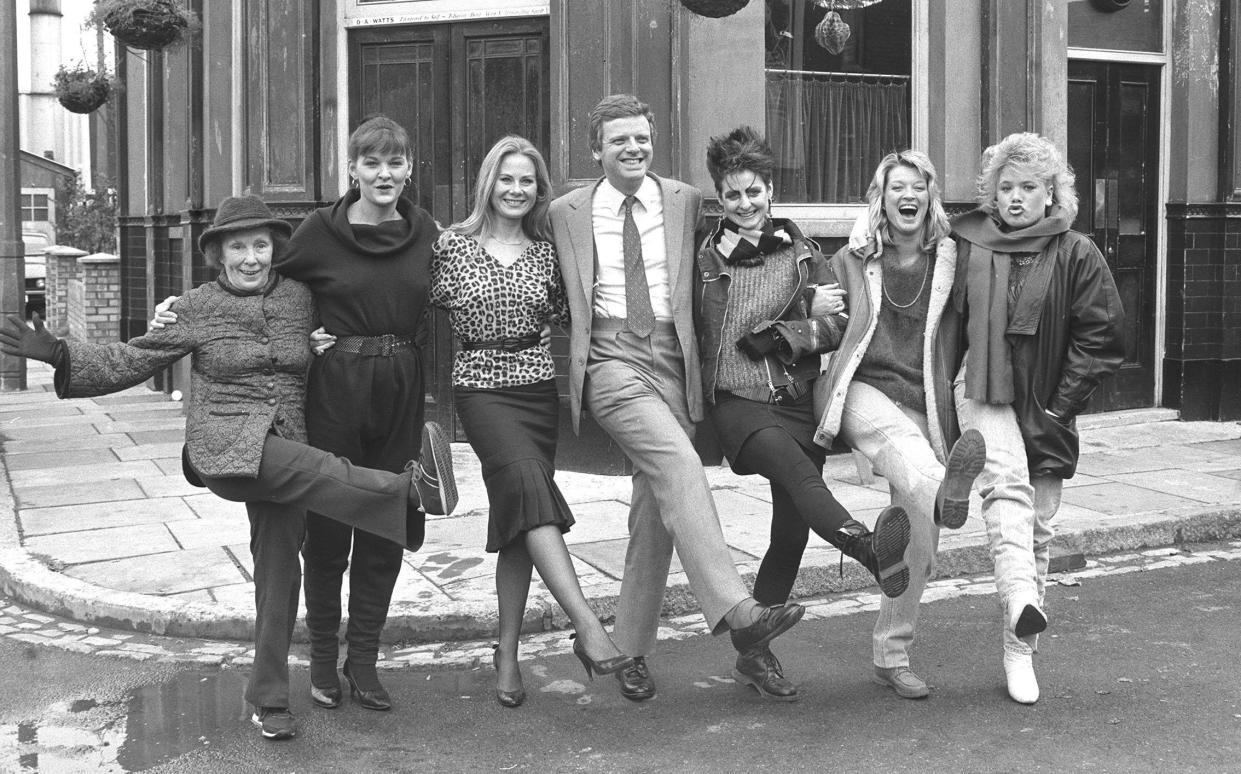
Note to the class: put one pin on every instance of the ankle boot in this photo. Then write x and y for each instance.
(882, 551)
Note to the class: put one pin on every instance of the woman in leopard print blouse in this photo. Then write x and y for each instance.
(496, 274)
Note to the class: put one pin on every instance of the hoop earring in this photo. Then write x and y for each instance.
(406, 183)
(353, 183)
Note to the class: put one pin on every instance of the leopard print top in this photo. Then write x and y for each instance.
(488, 301)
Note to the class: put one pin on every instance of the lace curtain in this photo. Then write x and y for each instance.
(829, 131)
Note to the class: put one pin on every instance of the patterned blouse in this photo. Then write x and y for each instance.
(487, 301)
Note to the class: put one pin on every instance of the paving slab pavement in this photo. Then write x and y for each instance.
(97, 524)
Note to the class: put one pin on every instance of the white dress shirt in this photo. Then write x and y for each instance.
(608, 212)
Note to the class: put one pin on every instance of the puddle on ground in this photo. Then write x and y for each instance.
(168, 720)
(154, 725)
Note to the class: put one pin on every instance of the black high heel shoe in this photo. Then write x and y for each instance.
(372, 699)
(607, 666)
(506, 698)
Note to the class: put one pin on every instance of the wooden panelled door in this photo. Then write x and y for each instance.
(1113, 146)
(456, 88)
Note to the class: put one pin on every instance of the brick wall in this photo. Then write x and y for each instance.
(1202, 365)
(100, 284)
(62, 268)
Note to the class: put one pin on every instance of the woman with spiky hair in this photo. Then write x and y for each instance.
(760, 348)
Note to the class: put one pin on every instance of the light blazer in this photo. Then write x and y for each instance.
(574, 234)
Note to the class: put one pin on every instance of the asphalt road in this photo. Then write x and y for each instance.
(1140, 674)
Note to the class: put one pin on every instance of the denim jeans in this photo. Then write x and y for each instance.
(894, 438)
(1047, 491)
(1007, 504)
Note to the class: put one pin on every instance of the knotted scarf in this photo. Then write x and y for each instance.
(989, 372)
(746, 247)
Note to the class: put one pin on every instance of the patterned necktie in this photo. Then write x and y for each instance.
(640, 318)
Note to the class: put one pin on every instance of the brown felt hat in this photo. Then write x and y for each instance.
(239, 213)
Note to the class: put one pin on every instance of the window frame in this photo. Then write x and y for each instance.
(49, 206)
(835, 219)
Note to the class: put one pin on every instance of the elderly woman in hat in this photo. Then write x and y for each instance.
(248, 331)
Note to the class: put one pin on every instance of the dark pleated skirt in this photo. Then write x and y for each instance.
(514, 431)
(735, 419)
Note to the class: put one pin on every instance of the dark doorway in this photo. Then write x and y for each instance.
(456, 88)
(1113, 139)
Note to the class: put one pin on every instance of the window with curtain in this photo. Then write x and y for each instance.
(837, 76)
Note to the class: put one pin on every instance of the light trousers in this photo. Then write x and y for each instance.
(635, 389)
(895, 439)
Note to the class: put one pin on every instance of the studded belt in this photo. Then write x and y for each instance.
(375, 346)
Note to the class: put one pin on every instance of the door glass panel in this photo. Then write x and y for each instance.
(1136, 27)
(1132, 159)
(504, 78)
(398, 80)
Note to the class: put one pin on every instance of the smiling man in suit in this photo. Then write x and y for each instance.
(626, 251)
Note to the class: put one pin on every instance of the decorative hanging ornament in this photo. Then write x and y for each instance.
(832, 33)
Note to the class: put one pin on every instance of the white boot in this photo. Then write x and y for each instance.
(1019, 670)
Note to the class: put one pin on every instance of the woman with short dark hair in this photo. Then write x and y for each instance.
(760, 347)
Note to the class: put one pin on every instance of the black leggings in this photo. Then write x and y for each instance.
(800, 502)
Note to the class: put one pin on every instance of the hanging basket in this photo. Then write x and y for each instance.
(150, 25)
(715, 9)
(81, 89)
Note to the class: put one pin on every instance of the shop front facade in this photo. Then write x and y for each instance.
(1143, 96)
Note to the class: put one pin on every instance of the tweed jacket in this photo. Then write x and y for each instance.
(574, 235)
(248, 376)
(861, 275)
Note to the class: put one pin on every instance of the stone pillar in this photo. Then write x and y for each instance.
(62, 268)
(95, 300)
(44, 115)
(12, 253)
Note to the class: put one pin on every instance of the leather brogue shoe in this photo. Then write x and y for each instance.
(902, 680)
(760, 669)
(771, 623)
(636, 683)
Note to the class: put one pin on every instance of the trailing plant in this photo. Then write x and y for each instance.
(81, 89)
(151, 25)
